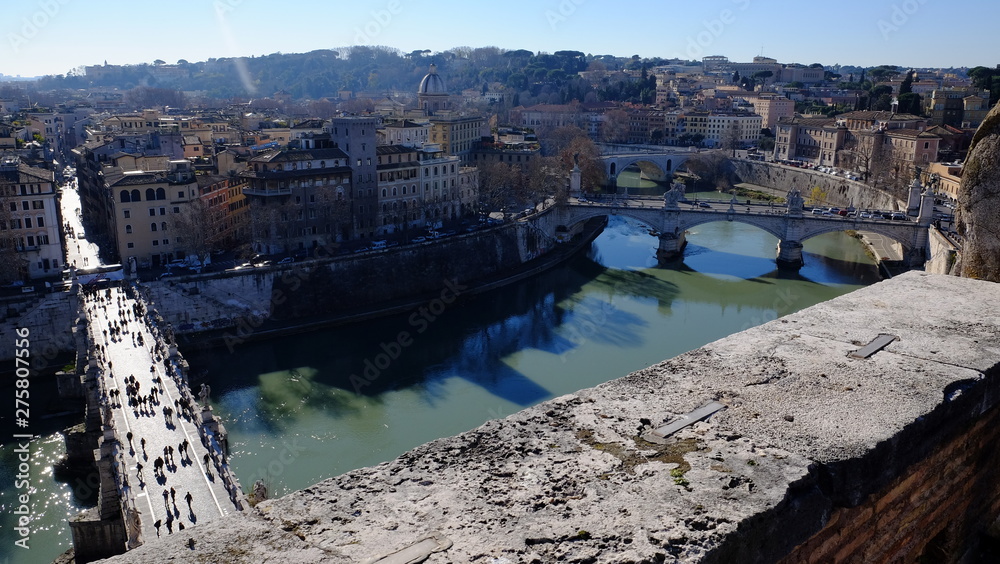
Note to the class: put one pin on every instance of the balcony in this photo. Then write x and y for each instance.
(263, 191)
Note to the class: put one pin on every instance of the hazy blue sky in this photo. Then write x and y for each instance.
(54, 36)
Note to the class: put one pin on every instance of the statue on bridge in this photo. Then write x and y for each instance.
(203, 394)
(673, 196)
(795, 201)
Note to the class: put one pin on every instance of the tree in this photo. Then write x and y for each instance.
(497, 185)
(911, 103)
(906, 87)
(730, 140)
(762, 76)
(868, 154)
(582, 151)
(816, 197)
(615, 128)
(712, 169)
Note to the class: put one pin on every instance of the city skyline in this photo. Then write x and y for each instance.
(56, 36)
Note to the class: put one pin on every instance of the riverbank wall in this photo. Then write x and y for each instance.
(839, 191)
(235, 307)
(822, 449)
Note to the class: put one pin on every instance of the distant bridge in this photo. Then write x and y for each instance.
(672, 217)
(656, 162)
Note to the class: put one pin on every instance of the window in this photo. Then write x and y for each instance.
(177, 209)
(128, 229)
(24, 205)
(123, 197)
(152, 227)
(163, 211)
(152, 212)
(163, 226)
(135, 196)
(127, 213)
(156, 243)
(180, 194)
(166, 241)
(130, 245)
(27, 223)
(161, 194)
(150, 194)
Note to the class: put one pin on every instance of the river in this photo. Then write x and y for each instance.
(307, 407)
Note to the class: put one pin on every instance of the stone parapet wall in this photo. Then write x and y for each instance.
(815, 454)
(933, 513)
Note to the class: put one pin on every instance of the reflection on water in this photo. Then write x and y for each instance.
(306, 407)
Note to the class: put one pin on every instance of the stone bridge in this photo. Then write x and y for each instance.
(656, 162)
(673, 217)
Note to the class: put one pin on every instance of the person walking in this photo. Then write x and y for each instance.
(188, 498)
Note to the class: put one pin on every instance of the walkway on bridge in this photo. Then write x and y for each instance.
(131, 348)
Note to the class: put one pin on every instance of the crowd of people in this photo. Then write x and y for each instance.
(125, 322)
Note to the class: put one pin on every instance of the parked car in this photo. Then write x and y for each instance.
(418, 240)
(704, 205)
(286, 260)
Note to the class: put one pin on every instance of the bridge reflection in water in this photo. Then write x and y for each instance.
(598, 317)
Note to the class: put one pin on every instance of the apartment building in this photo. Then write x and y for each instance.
(29, 221)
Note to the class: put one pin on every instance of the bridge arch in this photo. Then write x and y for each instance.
(904, 238)
(775, 229)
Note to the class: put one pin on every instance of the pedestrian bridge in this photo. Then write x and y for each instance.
(161, 454)
(672, 217)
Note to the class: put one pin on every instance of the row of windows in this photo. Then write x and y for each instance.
(28, 241)
(156, 242)
(34, 205)
(22, 189)
(17, 223)
(126, 196)
(152, 227)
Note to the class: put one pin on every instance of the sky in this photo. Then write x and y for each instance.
(55, 36)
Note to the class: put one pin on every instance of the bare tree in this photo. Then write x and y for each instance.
(730, 140)
(583, 152)
(615, 127)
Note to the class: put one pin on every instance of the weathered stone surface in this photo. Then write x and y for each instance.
(807, 429)
(978, 214)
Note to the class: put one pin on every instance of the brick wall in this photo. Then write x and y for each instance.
(934, 512)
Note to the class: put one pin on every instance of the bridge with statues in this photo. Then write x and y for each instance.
(674, 215)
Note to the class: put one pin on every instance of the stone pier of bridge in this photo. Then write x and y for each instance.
(160, 453)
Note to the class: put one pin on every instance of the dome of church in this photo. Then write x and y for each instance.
(432, 83)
